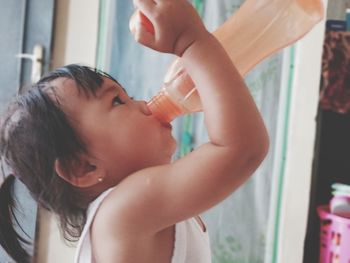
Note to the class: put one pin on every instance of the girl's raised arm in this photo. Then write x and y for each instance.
(238, 141)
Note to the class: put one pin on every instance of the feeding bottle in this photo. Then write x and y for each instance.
(257, 30)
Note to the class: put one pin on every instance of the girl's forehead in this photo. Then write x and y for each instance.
(66, 88)
(107, 85)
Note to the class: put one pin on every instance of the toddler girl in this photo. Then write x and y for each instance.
(102, 162)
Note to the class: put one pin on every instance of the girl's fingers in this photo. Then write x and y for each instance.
(158, 1)
(132, 23)
(146, 23)
(139, 18)
(146, 6)
(143, 36)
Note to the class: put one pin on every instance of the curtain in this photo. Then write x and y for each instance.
(335, 84)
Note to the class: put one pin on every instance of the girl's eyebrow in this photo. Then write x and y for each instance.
(105, 91)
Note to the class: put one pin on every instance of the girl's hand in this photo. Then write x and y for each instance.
(176, 25)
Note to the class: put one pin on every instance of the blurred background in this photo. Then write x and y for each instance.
(272, 217)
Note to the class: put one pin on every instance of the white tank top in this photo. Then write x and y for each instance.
(191, 243)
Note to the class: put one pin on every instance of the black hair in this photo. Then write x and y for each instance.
(34, 132)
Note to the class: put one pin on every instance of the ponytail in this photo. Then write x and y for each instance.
(10, 240)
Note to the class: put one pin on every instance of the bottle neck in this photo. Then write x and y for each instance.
(164, 108)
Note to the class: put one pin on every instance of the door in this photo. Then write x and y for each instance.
(25, 25)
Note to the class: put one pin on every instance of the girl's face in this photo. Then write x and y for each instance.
(120, 133)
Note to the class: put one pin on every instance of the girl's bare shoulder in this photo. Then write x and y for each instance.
(127, 206)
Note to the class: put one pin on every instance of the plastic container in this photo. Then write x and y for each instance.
(257, 30)
(340, 205)
(334, 237)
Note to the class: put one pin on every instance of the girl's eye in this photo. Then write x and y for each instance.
(117, 101)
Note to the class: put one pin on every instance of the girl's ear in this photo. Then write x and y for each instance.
(83, 173)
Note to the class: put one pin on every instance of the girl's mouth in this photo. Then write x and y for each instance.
(167, 125)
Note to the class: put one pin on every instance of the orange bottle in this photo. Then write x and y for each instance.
(257, 30)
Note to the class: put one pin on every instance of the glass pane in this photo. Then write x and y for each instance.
(10, 45)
